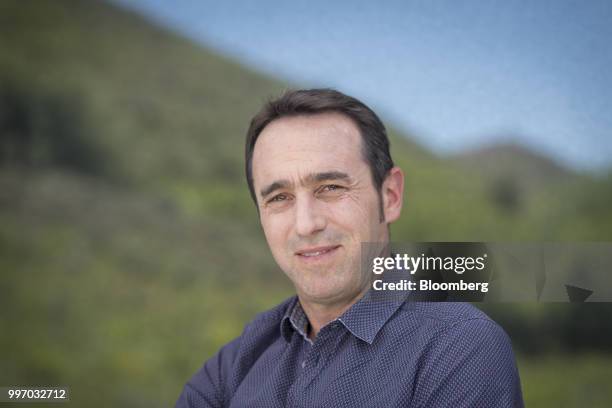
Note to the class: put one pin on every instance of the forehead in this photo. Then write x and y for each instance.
(312, 143)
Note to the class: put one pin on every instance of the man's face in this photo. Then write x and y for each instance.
(317, 204)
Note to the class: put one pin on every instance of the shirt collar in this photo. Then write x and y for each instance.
(363, 320)
(295, 319)
(368, 316)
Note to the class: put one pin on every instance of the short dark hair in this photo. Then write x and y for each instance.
(375, 143)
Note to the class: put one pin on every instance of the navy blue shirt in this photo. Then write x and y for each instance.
(377, 354)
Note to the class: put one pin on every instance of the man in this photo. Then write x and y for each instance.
(319, 170)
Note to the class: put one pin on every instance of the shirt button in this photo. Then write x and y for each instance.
(303, 363)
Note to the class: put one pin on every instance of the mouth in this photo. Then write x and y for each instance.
(316, 253)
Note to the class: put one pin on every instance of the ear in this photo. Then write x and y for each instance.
(393, 194)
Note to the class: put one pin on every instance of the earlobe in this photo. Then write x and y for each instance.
(393, 194)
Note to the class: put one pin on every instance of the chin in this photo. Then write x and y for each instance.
(325, 294)
(318, 291)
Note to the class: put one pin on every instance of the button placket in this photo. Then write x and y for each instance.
(318, 355)
(296, 391)
(329, 341)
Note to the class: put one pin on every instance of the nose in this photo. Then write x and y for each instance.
(309, 218)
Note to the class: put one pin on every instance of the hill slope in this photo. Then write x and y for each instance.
(507, 159)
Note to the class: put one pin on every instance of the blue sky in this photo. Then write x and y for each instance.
(454, 74)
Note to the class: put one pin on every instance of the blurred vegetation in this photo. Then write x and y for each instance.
(129, 247)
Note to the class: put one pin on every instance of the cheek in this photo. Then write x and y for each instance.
(365, 219)
(275, 229)
(357, 212)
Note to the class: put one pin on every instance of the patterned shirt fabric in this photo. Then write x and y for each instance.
(379, 353)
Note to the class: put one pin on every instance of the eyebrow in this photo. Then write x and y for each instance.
(311, 178)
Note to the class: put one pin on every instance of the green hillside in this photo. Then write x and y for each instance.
(129, 247)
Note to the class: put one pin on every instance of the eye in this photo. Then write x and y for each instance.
(278, 198)
(330, 188)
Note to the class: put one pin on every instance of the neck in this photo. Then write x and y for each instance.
(320, 314)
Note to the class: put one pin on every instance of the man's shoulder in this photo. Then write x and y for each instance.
(459, 348)
(264, 328)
